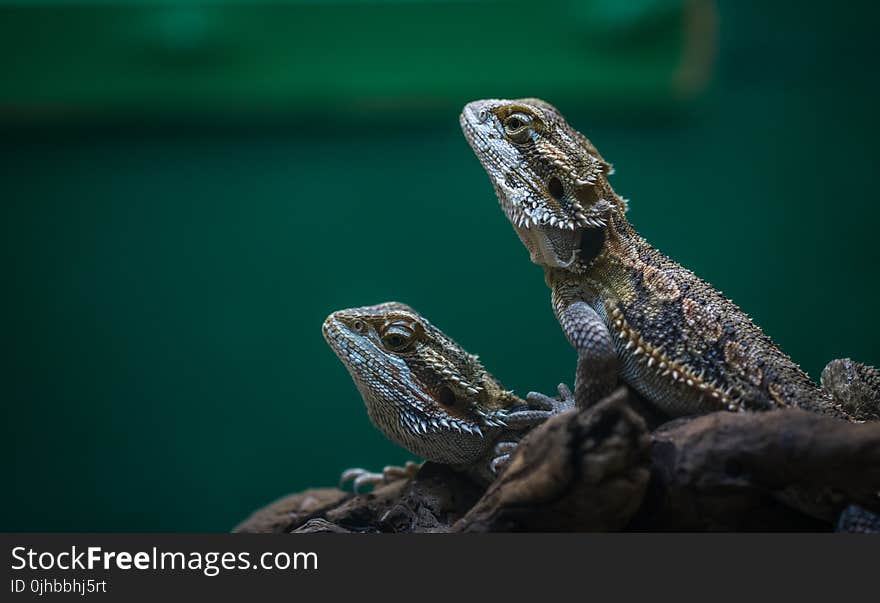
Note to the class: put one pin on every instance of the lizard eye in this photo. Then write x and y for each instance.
(516, 126)
(398, 337)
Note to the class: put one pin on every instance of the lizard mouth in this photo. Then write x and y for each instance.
(592, 240)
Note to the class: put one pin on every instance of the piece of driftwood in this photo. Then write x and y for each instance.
(430, 502)
(291, 510)
(602, 469)
(784, 469)
(578, 471)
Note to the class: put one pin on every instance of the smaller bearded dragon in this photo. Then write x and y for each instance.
(427, 394)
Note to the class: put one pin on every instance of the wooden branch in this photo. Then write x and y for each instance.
(785, 469)
(601, 469)
(290, 511)
(578, 471)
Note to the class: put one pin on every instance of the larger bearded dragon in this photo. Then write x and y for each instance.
(627, 309)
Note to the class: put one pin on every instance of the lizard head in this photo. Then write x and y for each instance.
(421, 389)
(550, 180)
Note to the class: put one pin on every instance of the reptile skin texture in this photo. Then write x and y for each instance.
(630, 312)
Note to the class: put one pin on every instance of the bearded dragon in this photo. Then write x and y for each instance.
(427, 394)
(628, 310)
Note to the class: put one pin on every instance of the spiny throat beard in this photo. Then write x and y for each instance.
(551, 247)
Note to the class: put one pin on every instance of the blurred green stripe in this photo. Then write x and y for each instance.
(134, 58)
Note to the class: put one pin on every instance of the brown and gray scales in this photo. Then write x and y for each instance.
(682, 342)
(426, 393)
(629, 310)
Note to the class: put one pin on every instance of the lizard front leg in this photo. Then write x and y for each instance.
(391, 473)
(596, 374)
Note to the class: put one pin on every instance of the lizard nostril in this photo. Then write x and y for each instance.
(483, 115)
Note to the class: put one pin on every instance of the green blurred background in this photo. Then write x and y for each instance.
(190, 188)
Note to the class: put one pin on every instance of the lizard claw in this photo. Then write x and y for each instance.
(362, 477)
(499, 463)
(501, 456)
(554, 405)
(541, 408)
(526, 419)
(502, 448)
